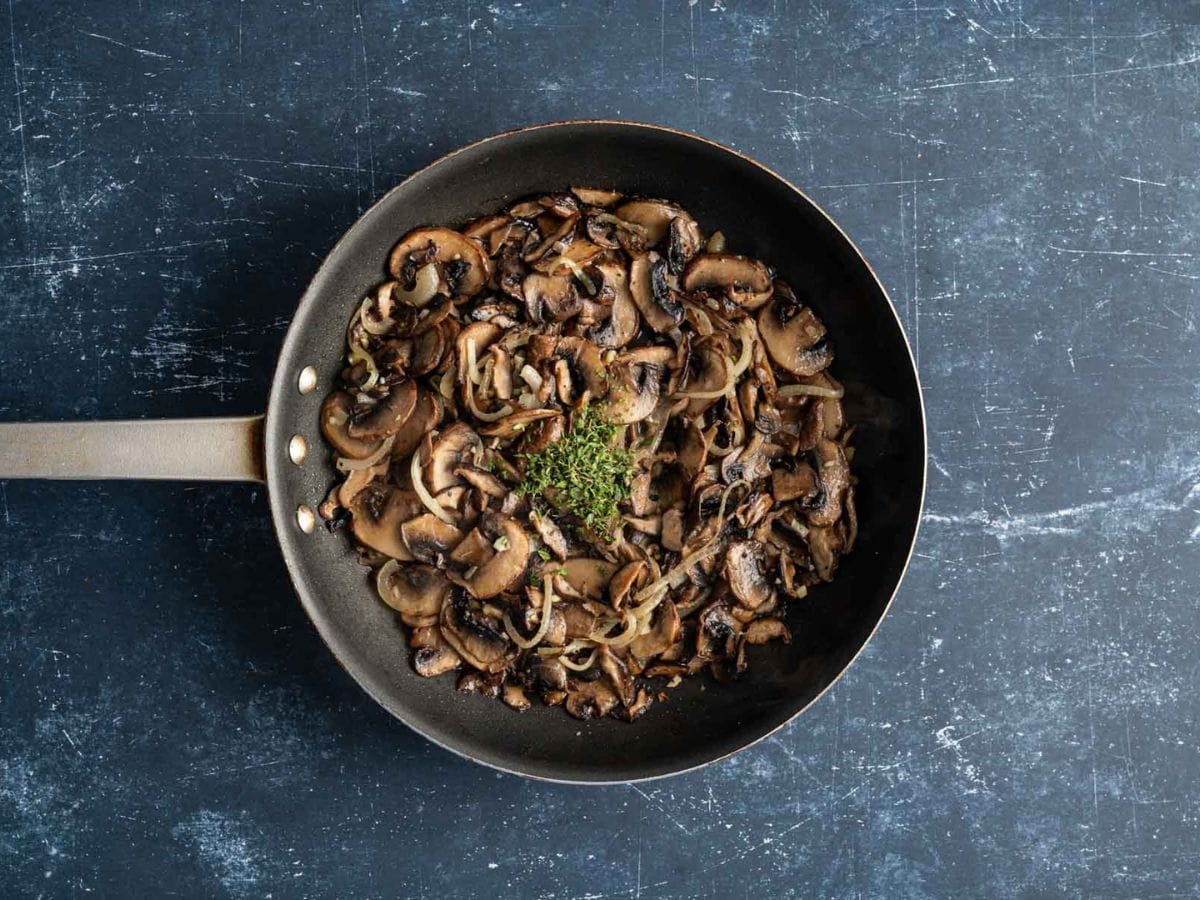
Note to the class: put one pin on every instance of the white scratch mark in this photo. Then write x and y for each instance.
(126, 46)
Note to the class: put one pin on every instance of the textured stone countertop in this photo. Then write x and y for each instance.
(1023, 174)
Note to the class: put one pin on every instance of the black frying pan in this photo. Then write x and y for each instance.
(763, 216)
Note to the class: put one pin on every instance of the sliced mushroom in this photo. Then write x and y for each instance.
(746, 572)
(633, 392)
(649, 292)
(834, 473)
(588, 576)
(617, 674)
(580, 621)
(542, 434)
(693, 450)
(550, 533)
(465, 266)
(556, 233)
(335, 426)
(454, 448)
(793, 335)
(799, 483)
(429, 539)
(590, 699)
(717, 631)
(473, 550)
(665, 631)
(504, 569)
(377, 516)
(417, 593)
(513, 696)
(672, 530)
(387, 416)
(622, 323)
(652, 215)
(552, 297)
(596, 196)
(426, 415)
(474, 636)
(683, 242)
(622, 583)
(514, 425)
(430, 662)
(825, 546)
(483, 481)
(760, 631)
(547, 673)
(746, 281)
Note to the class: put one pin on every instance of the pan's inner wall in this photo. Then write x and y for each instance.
(761, 216)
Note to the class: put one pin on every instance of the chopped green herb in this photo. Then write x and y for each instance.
(542, 552)
(590, 476)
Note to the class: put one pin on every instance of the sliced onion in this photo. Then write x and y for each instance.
(531, 377)
(414, 469)
(503, 411)
(626, 637)
(358, 354)
(446, 384)
(810, 390)
(543, 625)
(472, 362)
(580, 666)
(621, 223)
(746, 334)
(345, 464)
(383, 327)
(425, 286)
(577, 271)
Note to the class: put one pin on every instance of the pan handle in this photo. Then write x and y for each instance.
(163, 449)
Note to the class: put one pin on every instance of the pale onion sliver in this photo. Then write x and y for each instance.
(414, 470)
(543, 625)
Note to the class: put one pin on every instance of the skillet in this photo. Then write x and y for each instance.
(764, 216)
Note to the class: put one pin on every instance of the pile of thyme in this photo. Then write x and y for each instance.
(582, 473)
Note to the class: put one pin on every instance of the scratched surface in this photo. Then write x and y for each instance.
(1024, 175)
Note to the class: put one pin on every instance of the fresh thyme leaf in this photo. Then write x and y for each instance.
(589, 476)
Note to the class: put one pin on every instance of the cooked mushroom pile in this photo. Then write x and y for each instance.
(588, 452)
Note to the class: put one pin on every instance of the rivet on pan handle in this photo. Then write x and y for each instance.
(161, 449)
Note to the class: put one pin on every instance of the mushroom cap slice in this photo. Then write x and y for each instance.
(683, 242)
(745, 280)
(834, 473)
(653, 215)
(824, 546)
(377, 516)
(514, 425)
(387, 416)
(454, 448)
(430, 662)
(793, 335)
(597, 196)
(428, 538)
(663, 633)
(621, 326)
(551, 296)
(587, 576)
(335, 426)
(417, 593)
(762, 630)
(504, 569)
(590, 699)
(633, 392)
(452, 250)
(472, 634)
(645, 296)
(550, 533)
(426, 414)
(746, 572)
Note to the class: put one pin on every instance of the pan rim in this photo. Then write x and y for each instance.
(282, 514)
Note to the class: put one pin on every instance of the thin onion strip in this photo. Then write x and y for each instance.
(414, 470)
(345, 464)
(383, 580)
(810, 390)
(543, 625)
(746, 334)
(382, 327)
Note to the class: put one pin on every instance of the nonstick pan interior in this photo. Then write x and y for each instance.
(762, 216)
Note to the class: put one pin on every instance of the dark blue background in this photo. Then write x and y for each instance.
(1024, 175)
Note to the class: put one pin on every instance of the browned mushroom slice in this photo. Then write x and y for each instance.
(649, 292)
(621, 584)
(514, 696)
(793, 335)
(587, 577)
(551, 297)
(580, 621)
(550, 533)
(693, 450)
(617, 674)
(483, 481)
(633, 392)
(514, 425)
(335, 426)
(590, 699)
(708, 375)
(542, 434)
(596, 196)
(430, 662)
(546, 673)
(622, 323)
(387, 416)
(465, 266)
(797, 484)
(664, 631)
(760, 631)
(377, 516)
(652, 215)
(427, 413)
(474, 340)
(635, 710)
(454, 448)
(559, 232)
(683, 242)
(577, 254)
(744, 280)
(672, 530)
(481, 229)
(429, 539)
(416, 592)
(474, 636)
(584, 359)
(716, 632)
(746, 572)
(504, 569)
(825, 546)
(748, 463)
(473, 550)
(834, 474)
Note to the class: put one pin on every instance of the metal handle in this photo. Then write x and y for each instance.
(171, 449)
